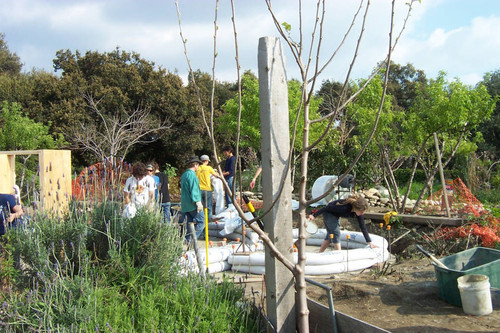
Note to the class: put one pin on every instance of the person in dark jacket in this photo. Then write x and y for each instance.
(163, 192)
(10, 211)
(228, 171)
(354, 206)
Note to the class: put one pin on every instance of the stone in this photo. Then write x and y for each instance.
(384, 201)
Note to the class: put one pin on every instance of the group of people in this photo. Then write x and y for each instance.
(146, 186)
(197, 189)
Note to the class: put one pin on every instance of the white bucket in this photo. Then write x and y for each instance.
(475, 294)
(311, 228)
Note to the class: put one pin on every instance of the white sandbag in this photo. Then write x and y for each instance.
(218, 194)
(129, 211)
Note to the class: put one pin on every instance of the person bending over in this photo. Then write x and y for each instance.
(354, 206)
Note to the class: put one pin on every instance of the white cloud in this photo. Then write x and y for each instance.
(35, 30)
(466, 52)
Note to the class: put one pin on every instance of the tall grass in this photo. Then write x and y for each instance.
(94, 271)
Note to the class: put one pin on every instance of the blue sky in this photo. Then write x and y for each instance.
(459, 37)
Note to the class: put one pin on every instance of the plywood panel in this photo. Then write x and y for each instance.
(55, 179)
(7, 173)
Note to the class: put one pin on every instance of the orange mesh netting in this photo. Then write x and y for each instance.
(101, 180)
(488, 234)
(460, 199)
(463, 203)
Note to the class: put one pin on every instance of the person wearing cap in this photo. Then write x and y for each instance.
(204, 172)
(191, 205)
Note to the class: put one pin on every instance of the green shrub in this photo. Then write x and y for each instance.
(134, 285)
(488, 196)
(403, 175)
(104, 221)
(50, 245)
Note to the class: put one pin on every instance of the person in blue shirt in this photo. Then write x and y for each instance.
(354, 206)
(10, 210)
(151, 172)
(228, 171)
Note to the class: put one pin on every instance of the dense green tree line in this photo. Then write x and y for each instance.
(465, 118)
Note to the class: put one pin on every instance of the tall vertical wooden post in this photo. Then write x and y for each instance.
(275, 144)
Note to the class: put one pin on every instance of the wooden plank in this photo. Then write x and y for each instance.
(7, 174)
(21, 152)
(420, 219)
(319, 321)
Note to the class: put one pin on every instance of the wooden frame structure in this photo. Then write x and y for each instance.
(55, 176)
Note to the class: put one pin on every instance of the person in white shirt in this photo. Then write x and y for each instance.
(139, 188)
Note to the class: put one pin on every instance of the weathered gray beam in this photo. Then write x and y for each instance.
(420, 219)
(275, 144)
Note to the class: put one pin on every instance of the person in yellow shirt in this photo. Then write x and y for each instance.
(204, 172)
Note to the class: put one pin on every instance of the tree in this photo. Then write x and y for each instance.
(361, 114)
(490, 128)
(308, 61)
(453, 111)
(250, 121)
(450, 109)
(124, 84)
(18, 132)
(9, 62)
(403, 84)
(113, 136)
(488, 156)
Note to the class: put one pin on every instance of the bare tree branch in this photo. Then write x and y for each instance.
(113, 136)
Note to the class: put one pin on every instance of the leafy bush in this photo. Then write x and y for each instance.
(488, 196)
(48, 245)
(403, 176)
(93, 270)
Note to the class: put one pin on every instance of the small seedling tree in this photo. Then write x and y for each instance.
(308, 60)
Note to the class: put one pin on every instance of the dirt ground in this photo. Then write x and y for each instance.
(405, 299)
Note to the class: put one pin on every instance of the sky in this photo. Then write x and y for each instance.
(459, 37)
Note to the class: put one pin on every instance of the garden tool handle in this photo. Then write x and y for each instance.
(252, 210)
(431, 257)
